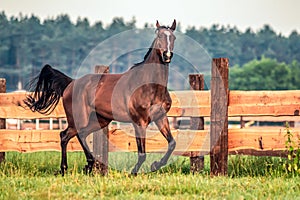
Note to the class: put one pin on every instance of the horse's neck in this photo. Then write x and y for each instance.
(155, 70)
(150, 71)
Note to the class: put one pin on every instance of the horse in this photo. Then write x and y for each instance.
(138, 96)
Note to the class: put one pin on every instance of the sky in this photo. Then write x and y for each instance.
(282, 15)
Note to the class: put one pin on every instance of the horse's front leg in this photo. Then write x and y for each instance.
(140, 134)
(65, 137)
(163, 126)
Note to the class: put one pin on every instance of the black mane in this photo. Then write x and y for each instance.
(145, 57)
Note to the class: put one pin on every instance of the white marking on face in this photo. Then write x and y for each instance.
(167, 33)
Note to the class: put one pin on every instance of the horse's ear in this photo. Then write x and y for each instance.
(173, 27)
(157, 24)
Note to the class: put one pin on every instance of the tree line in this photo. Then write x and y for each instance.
(265, 74)
(258, 58)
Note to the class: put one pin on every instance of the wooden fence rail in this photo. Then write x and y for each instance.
(249, 141)
(186, 103)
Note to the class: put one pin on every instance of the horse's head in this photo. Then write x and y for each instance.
(165, 41)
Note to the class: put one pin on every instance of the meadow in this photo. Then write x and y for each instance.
(34, 176)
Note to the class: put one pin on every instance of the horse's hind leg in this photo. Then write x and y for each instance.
(163, 125)
(140, 133)
(89, 156)
(93, 125)
(65, 137)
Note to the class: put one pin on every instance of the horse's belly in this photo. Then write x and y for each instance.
(112, 111)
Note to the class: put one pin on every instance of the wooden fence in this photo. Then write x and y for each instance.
(185, 104)
(250, 141)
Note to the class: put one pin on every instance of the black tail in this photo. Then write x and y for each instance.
(47, 88)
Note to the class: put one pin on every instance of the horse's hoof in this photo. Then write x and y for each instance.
(62, 172)
(56, 173)
(86, 170)
(133, 174)
(155, 166)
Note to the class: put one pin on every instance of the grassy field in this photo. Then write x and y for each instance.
(31, 176)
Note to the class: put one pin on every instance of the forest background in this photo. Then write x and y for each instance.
(261, 60)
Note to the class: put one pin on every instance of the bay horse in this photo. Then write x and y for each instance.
(139, 96)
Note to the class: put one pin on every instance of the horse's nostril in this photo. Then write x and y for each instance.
(168, 54)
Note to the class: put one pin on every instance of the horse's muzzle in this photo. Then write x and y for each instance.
(167, 56)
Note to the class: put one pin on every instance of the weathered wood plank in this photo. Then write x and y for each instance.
(264, 97)
(187, 140)
(186, 103)
(267, 118)
(264, 103)
(119, 140)
(250, 141)
(34, 140)
(12, 106)
(259, 138)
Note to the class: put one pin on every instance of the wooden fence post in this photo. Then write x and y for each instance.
(242, 122)
(197, 123)
(2, 121)
(219, 117)
(100, 138)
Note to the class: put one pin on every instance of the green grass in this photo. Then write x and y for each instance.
(31, 176)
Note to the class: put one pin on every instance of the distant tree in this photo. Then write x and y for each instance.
(248, 43)
(5, 39)
(295, 75)
(241, 48)
(293, 49)
(118, 25)
(264, 74)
